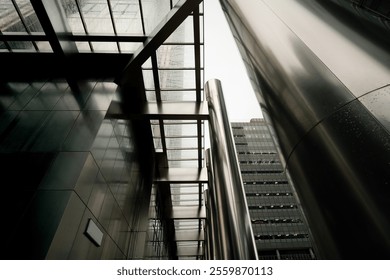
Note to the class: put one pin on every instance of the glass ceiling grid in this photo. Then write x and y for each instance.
(118, 21)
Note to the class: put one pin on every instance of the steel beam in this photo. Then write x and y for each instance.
(160, 34)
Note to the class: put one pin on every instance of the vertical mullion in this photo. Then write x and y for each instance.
(142, 17)
(197, 53)
(156, 77)
(113, 23)
(158, 99)
(171, 2)
(83, 22)
(24, 23)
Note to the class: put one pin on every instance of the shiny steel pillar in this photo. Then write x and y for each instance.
(213, 233)
(236, 235)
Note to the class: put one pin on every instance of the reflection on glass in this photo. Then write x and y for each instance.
(29, 16)
(176, 56)
(21, 45)
(127, 16)
(154, 12)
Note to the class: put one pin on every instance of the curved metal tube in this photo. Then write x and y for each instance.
(236, 235)
(213, 232)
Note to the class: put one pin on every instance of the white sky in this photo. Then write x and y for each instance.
(223, 61)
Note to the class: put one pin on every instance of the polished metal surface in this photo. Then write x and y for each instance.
(213, 231)
(318, 85)
(235, 225)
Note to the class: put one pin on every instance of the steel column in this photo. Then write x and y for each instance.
(235, 225)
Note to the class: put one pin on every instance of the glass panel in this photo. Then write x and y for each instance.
(44, 46)
(83, 46)
(176, 56)
(174, 2)
(151, 95)
(180, 129)
(105, 46)
(3, 45)
(127, 16)
(30, 18)
(9, 18)
(21, 45)
(147, 64)
(97, 16)
(178, 95)
(148, 79)
(176, 79)
(185, 188)
(184, 33)
(154, 11)
(186, 224)
(182, 154)
(183, 164)
(130, 47)
(73, 15)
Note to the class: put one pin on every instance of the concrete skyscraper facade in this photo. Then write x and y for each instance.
(279, 226)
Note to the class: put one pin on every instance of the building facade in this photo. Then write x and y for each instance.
(279, 226)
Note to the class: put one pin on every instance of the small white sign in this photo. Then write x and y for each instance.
(94, 233)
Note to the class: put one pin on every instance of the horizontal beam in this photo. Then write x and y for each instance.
(182, 175)
(187, 213)
(161, 111)
(23, 66)
(40, 36)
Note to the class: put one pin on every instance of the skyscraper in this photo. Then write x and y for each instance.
(278, 223)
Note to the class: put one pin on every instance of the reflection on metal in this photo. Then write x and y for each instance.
(235, 225)
(212, 225)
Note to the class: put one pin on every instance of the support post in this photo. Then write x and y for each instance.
(236, 235)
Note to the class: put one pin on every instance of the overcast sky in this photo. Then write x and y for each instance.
(223, 62)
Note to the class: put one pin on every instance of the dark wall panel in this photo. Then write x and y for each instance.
(63, 164)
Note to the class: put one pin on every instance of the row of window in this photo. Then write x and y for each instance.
(258, 161)
(256, 153)
(280, 206)
(270, 194)
(276, 221)
(282, 236)
(266, 182)
(260, 171)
